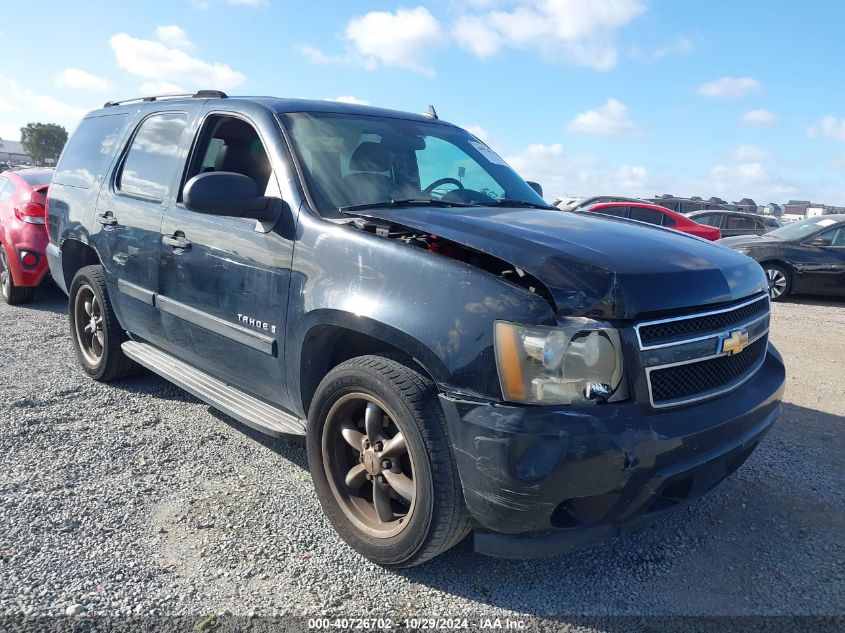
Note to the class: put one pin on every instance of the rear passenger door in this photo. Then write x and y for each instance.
(128, 217)
(223, 281)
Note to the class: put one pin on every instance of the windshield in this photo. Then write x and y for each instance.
(800, 229)
(357, 160)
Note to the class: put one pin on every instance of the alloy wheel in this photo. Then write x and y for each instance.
(88, 325)
(777, 282)
(369, 465)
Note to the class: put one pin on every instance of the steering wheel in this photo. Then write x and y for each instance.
(440, 182)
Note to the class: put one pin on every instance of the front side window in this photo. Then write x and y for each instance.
(357, 160)
(739, 222)
(836, 236)
(153, 156)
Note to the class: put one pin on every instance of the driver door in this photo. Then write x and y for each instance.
(823, 268)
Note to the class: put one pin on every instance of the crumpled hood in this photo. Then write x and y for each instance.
(608, 268)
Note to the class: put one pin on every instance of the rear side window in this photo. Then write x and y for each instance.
(153, 157)
(652, 216)
(617, 212)
(91, 146)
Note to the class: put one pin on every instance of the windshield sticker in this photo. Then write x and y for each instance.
(488, 153)
(825, 222)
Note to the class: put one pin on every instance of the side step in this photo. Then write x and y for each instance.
(230, 400)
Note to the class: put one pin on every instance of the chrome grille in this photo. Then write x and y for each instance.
(684, 358)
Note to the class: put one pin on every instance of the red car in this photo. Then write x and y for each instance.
(23, 235)
(654, 214)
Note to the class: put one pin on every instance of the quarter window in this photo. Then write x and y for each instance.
(153, 156)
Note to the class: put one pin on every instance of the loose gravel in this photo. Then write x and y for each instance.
(136, 498)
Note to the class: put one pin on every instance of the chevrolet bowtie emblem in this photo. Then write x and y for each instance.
(735, 343)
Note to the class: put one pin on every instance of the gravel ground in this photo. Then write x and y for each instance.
(137, 498)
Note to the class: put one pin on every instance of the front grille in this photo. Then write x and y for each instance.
(695, 325)
(684, 359)
(685, 381)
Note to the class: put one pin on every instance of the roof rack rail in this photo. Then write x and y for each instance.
(200, 94)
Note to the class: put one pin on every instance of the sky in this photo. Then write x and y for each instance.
(623, 97)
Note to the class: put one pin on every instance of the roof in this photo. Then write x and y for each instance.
(284, 106)
(728, 211)
(747, 201)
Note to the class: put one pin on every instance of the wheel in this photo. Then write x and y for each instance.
(780, 281)
(12, 294)
(382, 464)
(96, 334)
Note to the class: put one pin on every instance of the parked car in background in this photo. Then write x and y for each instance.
(732, 223)
(657, 215)
(807, 256)
(23, 236)
(688, 205)
(581, 203)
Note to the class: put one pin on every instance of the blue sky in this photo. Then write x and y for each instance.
(635, 97)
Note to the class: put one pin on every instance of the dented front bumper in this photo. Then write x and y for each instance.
(540, 481)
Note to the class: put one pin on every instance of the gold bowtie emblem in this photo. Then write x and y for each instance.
(735, 343)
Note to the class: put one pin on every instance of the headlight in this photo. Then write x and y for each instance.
(578, 364)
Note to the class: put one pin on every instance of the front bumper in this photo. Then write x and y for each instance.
(540, 481)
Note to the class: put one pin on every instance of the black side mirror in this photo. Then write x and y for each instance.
(820, 241)
(226, 193)
(536, 187)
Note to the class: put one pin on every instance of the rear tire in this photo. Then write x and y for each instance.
(780, 281)
(12, 294)
(382, 463)
(94, 329)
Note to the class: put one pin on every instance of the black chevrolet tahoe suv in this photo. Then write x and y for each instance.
(459, 355)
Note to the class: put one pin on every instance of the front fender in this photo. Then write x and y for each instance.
(438, 310)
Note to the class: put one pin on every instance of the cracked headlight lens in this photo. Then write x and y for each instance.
(579, 364)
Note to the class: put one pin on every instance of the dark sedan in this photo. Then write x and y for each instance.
(807, 256)
(732, 223)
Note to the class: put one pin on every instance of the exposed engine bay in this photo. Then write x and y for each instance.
(453, 250)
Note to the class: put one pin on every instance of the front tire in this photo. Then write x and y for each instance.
(12, 294)
(382, 464)
(780, 281)
(94, 329)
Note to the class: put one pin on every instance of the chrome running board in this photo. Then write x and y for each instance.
(228, 399)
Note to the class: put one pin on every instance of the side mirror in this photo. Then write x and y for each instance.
(536, 187)
(226, 193)
(820, 241)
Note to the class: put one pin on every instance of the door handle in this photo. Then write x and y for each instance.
(106, 219)
(176, 241)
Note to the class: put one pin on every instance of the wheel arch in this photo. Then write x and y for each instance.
(76, 254)
(338, 336)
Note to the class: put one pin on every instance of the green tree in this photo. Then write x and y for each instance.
(43, 140)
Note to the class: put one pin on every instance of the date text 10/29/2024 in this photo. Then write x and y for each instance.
(421, 624)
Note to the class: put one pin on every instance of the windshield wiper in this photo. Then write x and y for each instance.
(510, 202)
(409, 202)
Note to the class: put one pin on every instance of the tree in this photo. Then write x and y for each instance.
(43, 141)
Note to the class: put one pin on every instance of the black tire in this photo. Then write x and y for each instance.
(437, 518)
(111, 363)
(12, 294)
(779, 279)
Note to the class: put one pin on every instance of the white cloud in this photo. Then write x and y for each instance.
(611, 119)
(350, 99)
(160, 88)
(173, 36)
(749, 154)
(154, 60)
(22, 105)
(81, 80)
(247, 3)
(401, 39)
(561, 30)
(479, 132)
(729, 87)
(750, 180)
(828, 127)
(759, 117)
